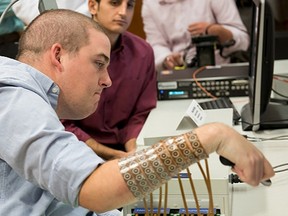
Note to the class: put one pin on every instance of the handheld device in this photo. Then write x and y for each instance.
(227, 162)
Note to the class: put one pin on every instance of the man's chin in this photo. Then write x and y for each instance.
(93, 110)
(82, 115)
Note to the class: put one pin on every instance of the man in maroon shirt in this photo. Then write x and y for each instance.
(123, 108)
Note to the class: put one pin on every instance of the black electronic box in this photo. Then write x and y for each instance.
(229, 80)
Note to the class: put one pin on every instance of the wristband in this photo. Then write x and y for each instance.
(146, 170)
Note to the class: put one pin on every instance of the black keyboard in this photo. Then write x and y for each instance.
(220, 103)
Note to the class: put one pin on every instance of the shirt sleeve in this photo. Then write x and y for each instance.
(36, 146)
(233, 22)
(155, 35)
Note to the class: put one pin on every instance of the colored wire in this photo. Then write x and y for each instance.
(207, 182)
(145, 206)
(209, 187)
(199, 84)
(151, 204)
(183, 194)
(194, 192)
(165, 198)
(160, 202)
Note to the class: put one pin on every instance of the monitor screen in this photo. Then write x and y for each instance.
(280, 8)
(259, 113)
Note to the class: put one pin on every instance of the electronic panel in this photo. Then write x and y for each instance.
(155, 203)
(177, 196)
(220, 81)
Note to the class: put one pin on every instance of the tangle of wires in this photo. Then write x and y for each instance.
(262, 139)
(207, 180)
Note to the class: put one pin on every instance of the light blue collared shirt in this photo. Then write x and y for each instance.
(42, 166)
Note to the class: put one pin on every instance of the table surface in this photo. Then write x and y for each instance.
(245, 200)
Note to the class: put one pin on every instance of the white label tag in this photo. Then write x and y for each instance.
(196, 113)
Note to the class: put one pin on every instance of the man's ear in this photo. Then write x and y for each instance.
(56, 52)
(93, 7)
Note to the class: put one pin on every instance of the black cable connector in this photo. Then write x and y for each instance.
(233, 178)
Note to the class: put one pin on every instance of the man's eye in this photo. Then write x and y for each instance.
(115, 3)
(131, 4)
(100, 64)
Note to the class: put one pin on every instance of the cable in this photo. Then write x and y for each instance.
(151, 204)
(183, 194)
(278, 93)
(165, 199)
(145, 206)
(280, 78)
(211, 203)
(160, 201)
(280, 170)
(234, 178)
(259, 139)
(194, 192)
(263, 122)
(207, 181)
(199, 84)
(208, 184)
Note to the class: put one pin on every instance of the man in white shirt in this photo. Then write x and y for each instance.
(170, 24)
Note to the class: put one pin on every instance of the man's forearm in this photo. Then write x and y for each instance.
(223, 34)
(120, 182)
(135, 176)
(103, 151)
(131, 145)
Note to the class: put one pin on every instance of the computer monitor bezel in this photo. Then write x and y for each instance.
(261, 65)
(260, 113)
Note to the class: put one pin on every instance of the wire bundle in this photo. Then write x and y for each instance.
(207, 180)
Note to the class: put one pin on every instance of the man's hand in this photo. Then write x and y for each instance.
(173, 60)
(198, 28)
(105, 152)
(249, 163)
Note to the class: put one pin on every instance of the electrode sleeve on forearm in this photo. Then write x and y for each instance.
(148, 169)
